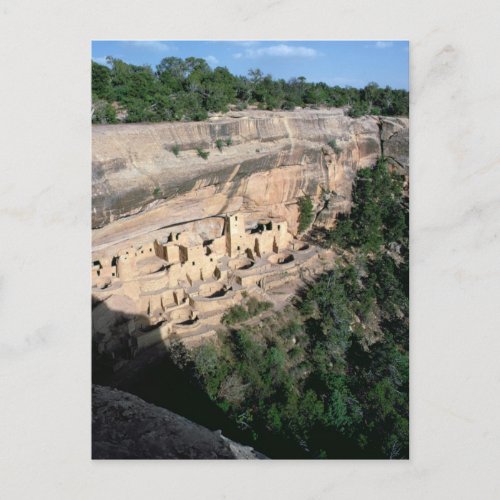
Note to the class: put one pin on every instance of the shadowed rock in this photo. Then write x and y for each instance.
(126, 427)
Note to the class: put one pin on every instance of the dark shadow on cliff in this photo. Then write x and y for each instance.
(158, 376)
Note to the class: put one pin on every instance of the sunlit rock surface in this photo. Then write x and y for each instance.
(139, 185)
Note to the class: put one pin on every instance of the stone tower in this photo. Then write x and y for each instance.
(235, 235)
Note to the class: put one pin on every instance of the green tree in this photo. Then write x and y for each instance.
(188, 89)
(306, 213)
(101, 81)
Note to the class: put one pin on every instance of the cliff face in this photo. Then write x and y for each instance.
(125, 426)
(140, 186)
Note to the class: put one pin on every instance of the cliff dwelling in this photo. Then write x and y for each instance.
(180, 286)
(249, 266)
(178, 240)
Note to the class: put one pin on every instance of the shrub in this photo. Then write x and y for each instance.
(333, 144)
(239, 313)
(198, 115)
(290, 330)
(306, 214)
(229, 141)
(219, 143)
(202, 154)
(235, 314)
(255, 306)
(358, 109)
(176, 149)
(156, 192)
(103, 112)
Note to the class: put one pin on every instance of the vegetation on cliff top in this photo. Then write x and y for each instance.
(328, 375)
(188, 89)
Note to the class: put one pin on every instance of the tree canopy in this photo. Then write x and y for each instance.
(188, 89)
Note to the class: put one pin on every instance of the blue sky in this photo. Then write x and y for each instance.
(353, 63)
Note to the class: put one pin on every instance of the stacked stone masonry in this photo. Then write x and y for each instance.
(179, 286)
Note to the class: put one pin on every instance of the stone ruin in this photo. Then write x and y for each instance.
(180, 286)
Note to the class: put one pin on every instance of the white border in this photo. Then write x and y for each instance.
(45, 247)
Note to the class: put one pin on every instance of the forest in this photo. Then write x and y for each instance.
(189, 89)
(327, 376)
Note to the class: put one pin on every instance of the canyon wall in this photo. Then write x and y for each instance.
(139, 185)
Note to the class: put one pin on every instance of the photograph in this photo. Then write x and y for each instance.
(250, 249)
(213, 284)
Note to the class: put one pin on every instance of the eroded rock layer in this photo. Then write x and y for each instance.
(141, 186)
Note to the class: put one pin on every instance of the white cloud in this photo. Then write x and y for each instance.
(152, 45)
(212, 60)
(383, 45)
(280, 50)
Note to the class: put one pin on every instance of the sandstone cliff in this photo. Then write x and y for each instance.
(125, 426)
(140, 186)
